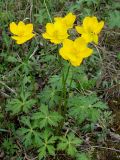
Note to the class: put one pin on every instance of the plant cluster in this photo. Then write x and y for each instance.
(52, 105)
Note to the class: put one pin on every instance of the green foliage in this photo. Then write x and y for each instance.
(83, 156)
(118, 56)
(47, 118)
(114, 19)
(29, 133)
(9, 146)
(22, 104)
(49, 96)
(69, 143)
(32, 88)
(47, 144)
(85, 107)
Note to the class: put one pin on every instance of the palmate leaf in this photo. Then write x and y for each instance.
(49, 96)
(29, 134)
(46, 117)
(82, 156)
(47, 144)
(85, 107)
(22, 104)
(14, 106)
(69, 144)
(114, 19)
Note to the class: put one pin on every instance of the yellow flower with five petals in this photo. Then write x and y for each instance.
(22, 32)
(90, 29)
(75, 51)
(56, 32)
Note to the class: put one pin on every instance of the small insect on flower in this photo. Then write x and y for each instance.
(75, 51)
(90, 29)
(22, 32)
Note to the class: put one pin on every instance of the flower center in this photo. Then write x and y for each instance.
(21, 34)
(55, 34)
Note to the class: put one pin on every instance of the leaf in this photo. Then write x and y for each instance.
(22, 104)
(114, 19)
(85, 107)
(118, 56)
(69, 144)
(49, 96)
(29, 134)
(14, 106)
(46, 117)
(42, 152)
(6, 38)
(26, 121)
(51, 150)
(12, 59)
(28, 139)
(82, 156)
(46, 147)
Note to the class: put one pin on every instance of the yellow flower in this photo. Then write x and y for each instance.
(90, 29)
(75, 51)
(68, 20)
(22, 32)
(55, 32)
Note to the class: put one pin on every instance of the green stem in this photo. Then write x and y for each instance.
(65, 91)
(48, 11)
(60, 103)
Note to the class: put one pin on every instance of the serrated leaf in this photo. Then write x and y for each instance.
(22, 104)
(49, 96)
(12, 59)
(29, 133)
(82, 156)
(114, 19)
(46, 117)
(42, 152)
(28, 139)
(69, 144)
(51, 150)
(85, 107)
(47, 144)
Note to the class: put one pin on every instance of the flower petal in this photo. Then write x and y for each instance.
(79, 29)
(99, 27)
(21, 27)
(80, 44)
(15, 37)
(77, 62)
(50, 28)
(86, 53)
(13, 28)
(95, 39)
(68, 50)
(46, 35)
(87, 37)
(87, 23)
(69, 20)
(29, 28)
